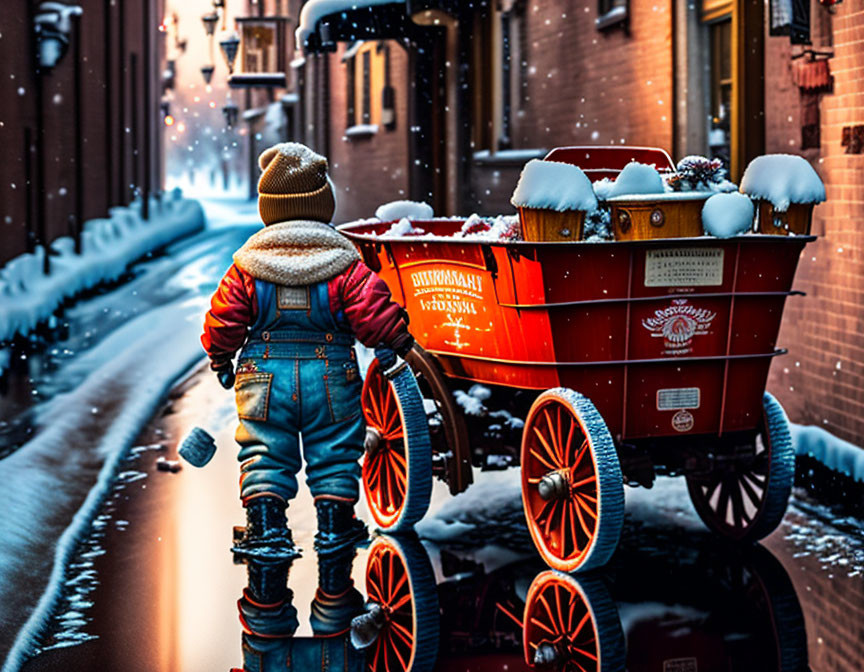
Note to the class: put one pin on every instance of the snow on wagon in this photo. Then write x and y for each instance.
(622, 327)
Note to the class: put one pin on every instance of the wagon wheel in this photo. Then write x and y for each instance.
(572, 489)
(571, 625)
(397, 469)
(399, 630)
(746, 501)
(447, 428)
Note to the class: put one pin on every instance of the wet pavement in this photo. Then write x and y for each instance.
(153, 586)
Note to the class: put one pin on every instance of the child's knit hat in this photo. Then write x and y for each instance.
(294, 185)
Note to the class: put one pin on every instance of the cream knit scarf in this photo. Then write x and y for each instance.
(296, 253)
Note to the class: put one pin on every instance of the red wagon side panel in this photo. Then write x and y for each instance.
(666, 337)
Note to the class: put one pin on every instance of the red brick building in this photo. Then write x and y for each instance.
(477, 91)
(82, 136)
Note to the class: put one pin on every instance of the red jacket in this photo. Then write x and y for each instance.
(362, 297)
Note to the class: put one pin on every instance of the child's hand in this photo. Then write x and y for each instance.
(225, 374)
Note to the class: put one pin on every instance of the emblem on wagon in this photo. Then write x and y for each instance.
(678, 325)
(682, 421)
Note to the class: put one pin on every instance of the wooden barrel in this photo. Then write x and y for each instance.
(646, 218)
(540, 225)
(796, 220)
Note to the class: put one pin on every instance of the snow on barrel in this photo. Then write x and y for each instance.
(552, 199)
(786, 188)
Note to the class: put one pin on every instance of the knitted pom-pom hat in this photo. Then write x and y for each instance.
(294, 185)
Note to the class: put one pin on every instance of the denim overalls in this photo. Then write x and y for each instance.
(297, 374)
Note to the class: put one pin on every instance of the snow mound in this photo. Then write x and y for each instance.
(396, 210)
(637, 178)
(503, 227)
(727, 215)
(603, 189)
(554, 186)
(835, 453)
(782, 179)
(108, 247)
(403, 227)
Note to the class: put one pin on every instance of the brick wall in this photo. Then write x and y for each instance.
(822, 381)
(581, 88)
(80, 127)
(582, 82)
(368, 171)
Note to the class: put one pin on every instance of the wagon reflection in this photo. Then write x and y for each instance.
(668, 601)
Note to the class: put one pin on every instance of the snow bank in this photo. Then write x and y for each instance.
(70, 466)
(315, 10)
(395, 210)
(782, 179)
(555, 186)
(28, 297)
(835, 453)
(637, 178)
(727, 215)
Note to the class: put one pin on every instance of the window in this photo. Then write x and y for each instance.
(499, 76)
(719, 134)
(369, 98)
(611, 13)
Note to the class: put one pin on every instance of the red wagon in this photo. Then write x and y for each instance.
(590, 365)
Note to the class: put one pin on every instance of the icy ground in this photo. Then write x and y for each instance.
(123, 353)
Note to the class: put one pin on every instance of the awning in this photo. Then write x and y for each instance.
(323, 23)
(813, 76)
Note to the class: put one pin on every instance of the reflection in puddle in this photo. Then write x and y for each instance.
(670, 601)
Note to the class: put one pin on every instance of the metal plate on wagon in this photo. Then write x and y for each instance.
(684, 267)
(677, 398)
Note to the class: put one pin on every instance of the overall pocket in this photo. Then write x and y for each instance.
(343, 386)
(252, 391)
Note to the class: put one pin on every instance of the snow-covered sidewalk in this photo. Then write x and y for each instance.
(108, 247)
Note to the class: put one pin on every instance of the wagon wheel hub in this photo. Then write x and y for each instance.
(372, 443)
(366, 627)
(548, 655)
(554, 485)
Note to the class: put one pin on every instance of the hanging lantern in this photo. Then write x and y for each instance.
(229, 45)
(210, 20)
(207, 73)
(231, 112)
(165, 107)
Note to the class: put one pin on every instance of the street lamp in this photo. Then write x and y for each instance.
(229, 45)
(207, 72)
(231, 112)
(53, 23)
(210, 20)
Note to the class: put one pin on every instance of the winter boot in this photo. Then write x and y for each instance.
(266, 535)
(338, 528)
(266, 608)
(336, 601)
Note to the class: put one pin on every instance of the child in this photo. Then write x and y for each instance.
(294, 300)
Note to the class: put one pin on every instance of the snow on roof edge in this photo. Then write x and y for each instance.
(315, 10)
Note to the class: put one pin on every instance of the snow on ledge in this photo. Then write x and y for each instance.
(315, 10)
(361, 130)
(108, 247)
(782, 179)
